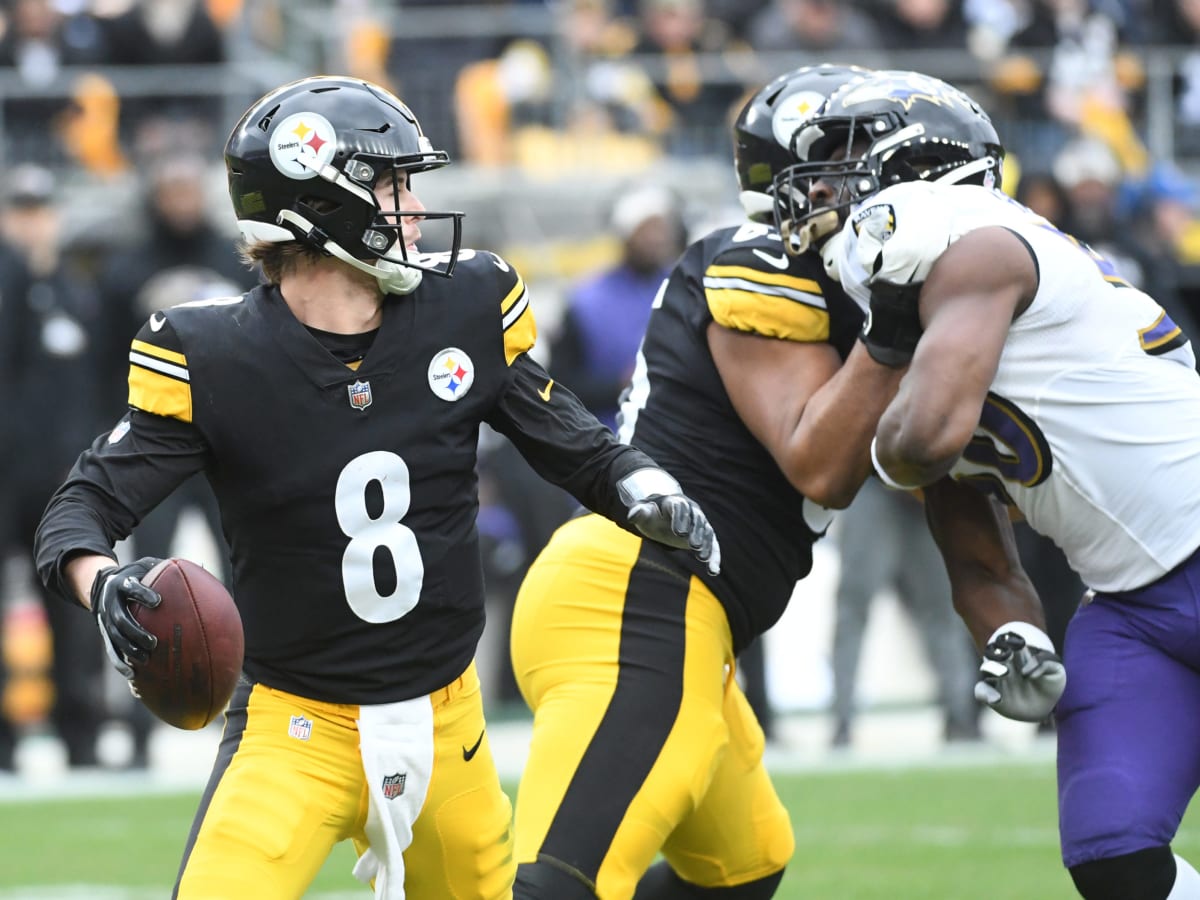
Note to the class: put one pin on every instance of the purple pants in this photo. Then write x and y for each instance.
(1129, 721)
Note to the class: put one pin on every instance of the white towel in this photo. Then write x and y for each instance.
(396, 742)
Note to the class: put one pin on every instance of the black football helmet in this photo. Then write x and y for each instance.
(763, 131)
(887, 128)
(303, 164)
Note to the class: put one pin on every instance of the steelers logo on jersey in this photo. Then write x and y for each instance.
(302, 145)
(451, 374)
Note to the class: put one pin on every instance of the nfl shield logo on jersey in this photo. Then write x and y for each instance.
(360, 394)
(300, 728)
(393, 785)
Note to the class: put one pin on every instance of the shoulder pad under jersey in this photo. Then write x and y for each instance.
(159, 378)
(502, 280)
(751, 284)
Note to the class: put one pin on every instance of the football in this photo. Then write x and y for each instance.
(191, 674)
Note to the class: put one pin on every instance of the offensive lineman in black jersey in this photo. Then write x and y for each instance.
(338, 425)
(643, 742)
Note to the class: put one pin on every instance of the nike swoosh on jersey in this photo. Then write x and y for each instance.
(779, 262)
(468, 755)
(157, 322)
(544, 393)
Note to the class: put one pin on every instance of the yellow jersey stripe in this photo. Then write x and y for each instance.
(159, 394)
(768, 315)
(807, 285)
(514, 295)
(520, 330)
(159, 352)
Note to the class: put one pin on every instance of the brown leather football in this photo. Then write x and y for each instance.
(192, 672)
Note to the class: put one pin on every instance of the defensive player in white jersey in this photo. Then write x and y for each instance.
(1043, 378)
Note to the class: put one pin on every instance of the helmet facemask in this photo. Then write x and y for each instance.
(860, 155)
(841, 150)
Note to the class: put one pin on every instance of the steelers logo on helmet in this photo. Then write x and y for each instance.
(451, 374)
(792, 112)
(302, 144)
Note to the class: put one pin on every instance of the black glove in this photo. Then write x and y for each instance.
(125, 641)
(893, 324)
(660, 510)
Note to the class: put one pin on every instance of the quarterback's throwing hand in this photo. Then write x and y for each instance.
(660, 510)
(1021, 677)
(125, 641)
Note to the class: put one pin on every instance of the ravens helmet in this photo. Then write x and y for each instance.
(763, 131)
(884, 129)
(304, 163)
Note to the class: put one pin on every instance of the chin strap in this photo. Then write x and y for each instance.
(393, 277)
(797, 241)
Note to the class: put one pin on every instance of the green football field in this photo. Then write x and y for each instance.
(952, 833)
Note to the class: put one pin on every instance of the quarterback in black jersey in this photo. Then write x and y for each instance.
(752, 389)
(336, 411)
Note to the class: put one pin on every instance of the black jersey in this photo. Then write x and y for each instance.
(677, 410)
(348, 497)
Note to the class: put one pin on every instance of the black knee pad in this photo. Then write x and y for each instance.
(661, 883)
(550, 879)
(1141, 875)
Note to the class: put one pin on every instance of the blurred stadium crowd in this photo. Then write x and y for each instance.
(590, 140)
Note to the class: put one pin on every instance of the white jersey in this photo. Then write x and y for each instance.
(1092, 424)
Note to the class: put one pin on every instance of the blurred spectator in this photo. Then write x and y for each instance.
(176, 233)
(14, 281)
(1091, 176)
(883, 543)
(1096, 188)
(52, 411)
(736, 15)
(1042, 193)
(494, 97)
(813, 26)
(165, 32)
(923, 24)
(423, 68)
(602, 112)
(37, 41)
(1085, 84)
(594, 351)
(674, 36)
(1160, 213)
(1179, 26)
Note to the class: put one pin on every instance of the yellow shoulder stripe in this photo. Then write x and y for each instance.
(520, 329)
(807, 285)
(159, 353)
(768, 314)
(517, 290)
(160, 394)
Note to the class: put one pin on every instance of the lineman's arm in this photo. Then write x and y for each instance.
(814, 415)
(970, 298)
(1021, 676)
(987, 582)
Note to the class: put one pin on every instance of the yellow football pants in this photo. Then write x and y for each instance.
(288, 784)
(642, 740)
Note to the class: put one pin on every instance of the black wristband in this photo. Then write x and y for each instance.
(893, 325)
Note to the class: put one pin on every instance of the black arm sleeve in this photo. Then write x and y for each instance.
(563, 442)
(111, 487)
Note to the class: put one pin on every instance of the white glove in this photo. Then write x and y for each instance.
(1021, 677)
